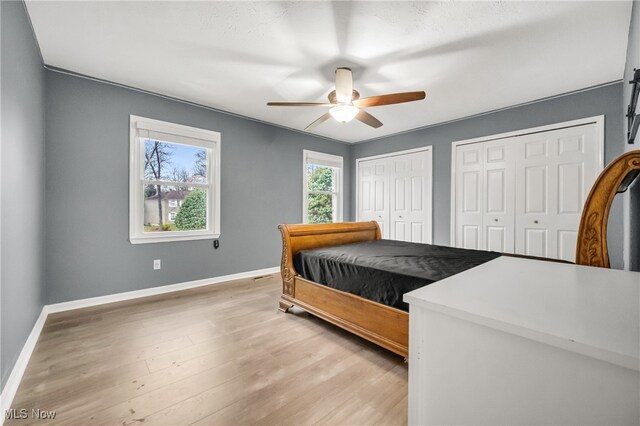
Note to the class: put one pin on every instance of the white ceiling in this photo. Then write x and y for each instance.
(470, 57)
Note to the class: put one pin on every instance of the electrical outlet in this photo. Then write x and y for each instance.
(156, 264)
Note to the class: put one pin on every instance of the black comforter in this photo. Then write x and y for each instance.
(384, 270)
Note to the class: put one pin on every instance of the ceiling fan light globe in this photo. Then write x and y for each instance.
(344, 113)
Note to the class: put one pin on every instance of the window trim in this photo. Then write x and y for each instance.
(208, 139)
(331, 161)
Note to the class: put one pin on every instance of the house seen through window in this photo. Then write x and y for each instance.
(183, 169)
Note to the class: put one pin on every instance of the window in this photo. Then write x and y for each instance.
(322, 188)
(174, 182)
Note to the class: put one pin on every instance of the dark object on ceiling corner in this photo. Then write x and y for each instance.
(633, 122)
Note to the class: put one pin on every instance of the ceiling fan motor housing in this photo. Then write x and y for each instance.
(334, 100)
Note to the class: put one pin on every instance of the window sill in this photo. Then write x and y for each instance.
(171, 238)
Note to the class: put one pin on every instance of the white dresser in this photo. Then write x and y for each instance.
(518, 341)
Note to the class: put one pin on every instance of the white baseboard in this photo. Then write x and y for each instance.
(119, 297)
(10, 388)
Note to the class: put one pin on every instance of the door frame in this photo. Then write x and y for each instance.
(598, 120)
(426, 148)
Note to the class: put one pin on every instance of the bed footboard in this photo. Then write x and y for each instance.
(380, 324)
(304, 237)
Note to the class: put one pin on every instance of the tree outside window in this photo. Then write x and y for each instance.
(323, 188)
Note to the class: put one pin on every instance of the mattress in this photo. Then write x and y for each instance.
(384, 270)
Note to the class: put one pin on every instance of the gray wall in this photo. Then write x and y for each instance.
(604, 100)
(88, 252)
(22, 286)
(632, 197)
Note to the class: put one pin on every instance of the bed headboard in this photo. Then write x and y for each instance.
(591, 246)
(304, 237)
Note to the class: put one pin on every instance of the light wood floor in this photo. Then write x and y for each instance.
(221, 354)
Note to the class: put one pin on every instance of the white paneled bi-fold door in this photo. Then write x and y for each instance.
(524, 193)
(373, 194)
(395, 191)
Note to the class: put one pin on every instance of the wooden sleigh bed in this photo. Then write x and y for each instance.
(388, 326)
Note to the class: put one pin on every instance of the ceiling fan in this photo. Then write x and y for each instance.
(345, 102)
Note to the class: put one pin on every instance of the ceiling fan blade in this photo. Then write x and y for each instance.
(320, 120)
(393, 98)
(344, 85)
(368, 119)
(305, 104)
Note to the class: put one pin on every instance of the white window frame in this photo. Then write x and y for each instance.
(176, 133)
(169, 218)
(323, 159)
(172, 203)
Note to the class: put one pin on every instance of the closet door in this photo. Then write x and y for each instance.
(499, 195)
(373, 193)
(410, 191)
(469, 196)
(554, 173)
